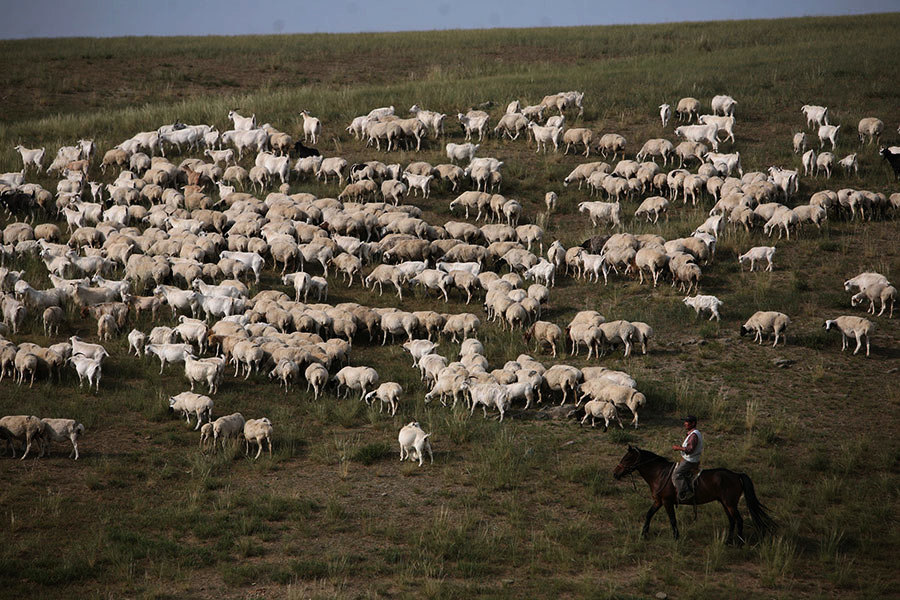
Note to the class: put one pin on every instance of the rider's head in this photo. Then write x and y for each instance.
(690, 421)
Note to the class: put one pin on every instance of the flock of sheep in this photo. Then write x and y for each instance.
(184, 237)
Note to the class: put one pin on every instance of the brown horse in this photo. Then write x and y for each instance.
(720, 485)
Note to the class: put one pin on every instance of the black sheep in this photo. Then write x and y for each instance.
(303, 151)
(893, 159)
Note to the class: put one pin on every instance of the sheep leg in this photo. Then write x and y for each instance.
(858, 343)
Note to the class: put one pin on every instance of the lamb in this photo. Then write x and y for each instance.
(857, 327)
(815, 114)
(687, 109)
(809, 162)
(545, 332)
(61, 430)
(762, 323)
(665, 113)
(106, 327)
(358, 378)
(545, 135)
(600, 409)
(95, 351)
(316, 377)
(759, 253)
(22, 428)
(189, 402)
(828, 132)
(414, 443)
(388, 393)
(701, 303)
(871, 128)
(419, 348)
(229, 426)
(257, 431)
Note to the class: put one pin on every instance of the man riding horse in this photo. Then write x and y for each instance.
(691, 449)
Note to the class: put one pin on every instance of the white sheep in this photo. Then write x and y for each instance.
(414, 443)
(665, 112)
(864, 280)
(472, 122)
(701, 303)
(762, 323)
(688, 108)
(22, 428)
(87, 368)
(856, 327)
(849, 163)
(489, 395)
(356, 378)
(723, 105)
(229, 426)
(61, 430)
(824, 161)
(886, 293)
(316, 377)
(758, 253)
(871, 128)
(545, 135)
(31, 157)
(286, 371)
(799, 142)
(601, 409)
(700, 133)
(815, 115)
(600, 212)
(828, 132)
(257, 431)
(188, 403)
(388, 393)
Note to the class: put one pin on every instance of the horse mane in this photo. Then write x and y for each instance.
(646, 456)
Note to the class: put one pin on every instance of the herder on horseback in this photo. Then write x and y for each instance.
(691, 449)
(712, 485)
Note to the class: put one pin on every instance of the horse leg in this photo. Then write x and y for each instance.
(670, 509)
(734, 518)
(646, 530)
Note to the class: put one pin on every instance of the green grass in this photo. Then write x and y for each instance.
(523, 508)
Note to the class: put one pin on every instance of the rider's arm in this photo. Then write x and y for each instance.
(689, 447)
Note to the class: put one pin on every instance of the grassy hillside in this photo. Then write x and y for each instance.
(523, 508)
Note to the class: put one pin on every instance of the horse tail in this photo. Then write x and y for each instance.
(758, 512)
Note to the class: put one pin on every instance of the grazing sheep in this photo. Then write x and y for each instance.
(886, 293)
(849, 163)
(61, 430)
(388, 393)
(257, 431)
(229, 426)
(316, 376)
(601, 409)
(22, 428)
(759, 253)
(864, 280)
(136, 341)
(799, 142)
(618, 395)
(356, 378)
(857, 327)
(414, 443)
(815, 115)
(687, 109)
(189, 402)
(762, 323)
(701, 303)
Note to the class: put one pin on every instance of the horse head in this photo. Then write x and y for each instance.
(628, 463)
